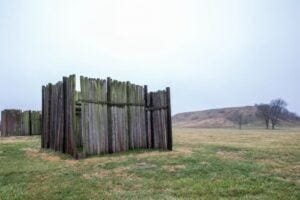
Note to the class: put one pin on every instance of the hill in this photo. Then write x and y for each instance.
(225, 118)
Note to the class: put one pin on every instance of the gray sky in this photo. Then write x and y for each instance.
(212, 53)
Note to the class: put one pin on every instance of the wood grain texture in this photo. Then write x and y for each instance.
(106, 116)
(94, 116)
(119, 116)
(35, 120)
(11, 122)
(25, 123)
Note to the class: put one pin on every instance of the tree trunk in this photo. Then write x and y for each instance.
(267, 124)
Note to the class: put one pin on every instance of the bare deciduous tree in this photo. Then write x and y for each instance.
(277, 108)
(238, 118)
(263, 111)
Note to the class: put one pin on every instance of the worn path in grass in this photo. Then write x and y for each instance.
(205, 164)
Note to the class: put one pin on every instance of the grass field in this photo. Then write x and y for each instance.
(205, 164)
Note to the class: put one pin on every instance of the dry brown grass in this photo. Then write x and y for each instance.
(230, 155)
(16, 139)
(119, 173)
(35, 153)
(265, 142)
(173, 168)
(240, 138)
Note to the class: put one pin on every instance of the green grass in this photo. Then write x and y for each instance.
(205, 164)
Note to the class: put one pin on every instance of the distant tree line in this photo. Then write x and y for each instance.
(273, 112)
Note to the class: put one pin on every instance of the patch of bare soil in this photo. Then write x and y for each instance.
(271, 162)
(291, 169)
(119, 172)
(144, 165)
(230, 155)
(180, 151)
(15, 139)
(34, 153)
(173, 168)
(104, 159)
(99, 174)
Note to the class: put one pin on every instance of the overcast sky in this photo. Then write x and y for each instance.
(211, 53)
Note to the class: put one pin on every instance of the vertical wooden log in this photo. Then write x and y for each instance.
(53, 112)
(35, 123)
(143, 117)
(139, 114)
(70, 116)
(103, 118)
(47, 136)
(65, 105)
(148, 121)
(169, 120)
(84, 121)
(30, 123)
(43, 118)
(151, 120)
(50, 87)
(155, 120)
(3, 124)
(60, 118)
(25, 123)
(128, 94)
(109, 115)
(163, 119)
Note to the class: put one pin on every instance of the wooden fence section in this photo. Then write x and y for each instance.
(18, 123)
(94, 125)
(73, 139)
(58, 117)
(25, 123)
(136, 117)
(106, 116)
(46, 95)
(35, 122)
(11, 122)
(118, 116)
(160, 119)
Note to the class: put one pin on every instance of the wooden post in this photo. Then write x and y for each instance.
(30, 123)
(109, 116)
(151, 120)
(146, 114)
(128, 90)
(69, 115)
(64, 146)
(43, 117)
(169, 121)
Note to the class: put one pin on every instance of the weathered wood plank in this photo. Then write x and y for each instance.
(11, 122)
(36, 123)
(169, 120)
(70, 116)
(25, 123)
(94, 116)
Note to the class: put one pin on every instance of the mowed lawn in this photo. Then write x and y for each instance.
(205, 164)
